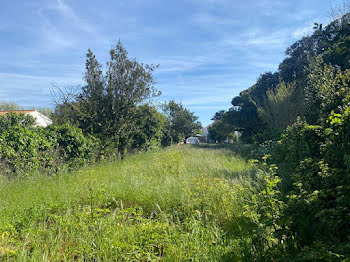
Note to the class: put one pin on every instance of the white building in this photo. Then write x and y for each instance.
(40, 119)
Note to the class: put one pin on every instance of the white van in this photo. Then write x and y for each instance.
(192, 140)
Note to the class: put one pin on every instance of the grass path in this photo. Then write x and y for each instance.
(178, 204)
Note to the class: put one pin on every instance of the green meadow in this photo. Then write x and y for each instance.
(182, 203)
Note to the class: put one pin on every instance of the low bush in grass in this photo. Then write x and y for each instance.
(25, 149)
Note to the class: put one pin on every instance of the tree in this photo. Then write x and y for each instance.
(220, 130)
(107, 106)
(9, 106)
(245, 115)
(150, 127)
(263, 107)
(92, 99)
(282, 106)
(218, 115)
(182, 122)
(328, 90)
(128, 84)
(47, 111)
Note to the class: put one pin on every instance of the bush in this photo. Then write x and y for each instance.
(19, 148)
(314, 166)
(74, 148)
(27, 150)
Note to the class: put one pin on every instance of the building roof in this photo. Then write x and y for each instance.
(16, 112)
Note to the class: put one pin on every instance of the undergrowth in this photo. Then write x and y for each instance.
(178, 204)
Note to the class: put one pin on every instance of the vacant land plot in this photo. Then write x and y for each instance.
(178, 204)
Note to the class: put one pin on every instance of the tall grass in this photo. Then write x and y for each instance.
(178, 204)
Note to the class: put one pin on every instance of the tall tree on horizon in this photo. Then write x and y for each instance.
(106, 105)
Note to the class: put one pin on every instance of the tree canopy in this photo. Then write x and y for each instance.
(277, 99)
(182, 122)
(116, 107)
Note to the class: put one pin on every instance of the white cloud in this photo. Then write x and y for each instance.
(47, 79)
(179, 63)
(31, 90)
(65, 28)
(56, 39)
(281, 38)
(302, 31)
(76, 21)
(207, 19)
(276, 39)
(212, 3)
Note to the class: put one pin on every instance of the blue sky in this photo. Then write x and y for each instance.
(208, 50)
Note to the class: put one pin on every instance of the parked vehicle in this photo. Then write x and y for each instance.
(192, 140)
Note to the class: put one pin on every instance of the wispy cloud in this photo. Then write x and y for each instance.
(179, 63)
(65, 28)
(76, 21)
(46, 79)
(212, 3)
(302, 31)
(268, 39)
(207, 19)
(34, 89)
(273, 40)
(270, 7)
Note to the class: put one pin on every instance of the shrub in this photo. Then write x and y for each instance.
(314, 166)
(27, 150)
(74, 148)
(19, 148)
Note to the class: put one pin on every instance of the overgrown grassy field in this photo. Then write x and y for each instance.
(179, 204)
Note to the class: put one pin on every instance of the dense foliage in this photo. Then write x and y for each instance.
(302, 113)
(151, 128)
(27, 150)
(264, 110)
(107, 106)
(116, 108)
(313, 163)
(8, 106)
(182, 123)
(110, 115)
(221, 130)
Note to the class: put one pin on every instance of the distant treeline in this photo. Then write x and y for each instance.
(111, 115)
(299, 117)
(275, 101)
